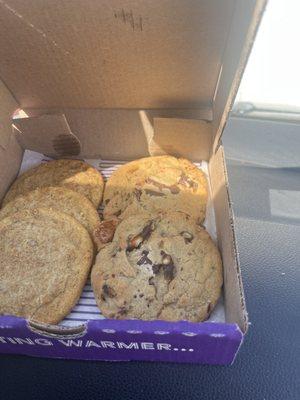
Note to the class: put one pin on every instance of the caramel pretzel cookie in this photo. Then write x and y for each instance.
(45, 258)
(72, 174)
(156, 183)
(164, 267)
(60, 199)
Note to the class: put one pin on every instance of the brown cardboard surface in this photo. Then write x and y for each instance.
(235, 308)
(111, 53)
(183, 138)
(48, 134)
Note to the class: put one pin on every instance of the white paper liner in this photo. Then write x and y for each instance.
(86, 308)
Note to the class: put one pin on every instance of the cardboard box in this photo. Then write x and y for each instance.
(114, 80)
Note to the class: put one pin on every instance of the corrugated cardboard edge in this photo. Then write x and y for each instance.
(235, 307)
(11, 152)
(8, 106)
(47, 134)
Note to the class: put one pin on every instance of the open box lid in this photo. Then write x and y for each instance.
(184, 58)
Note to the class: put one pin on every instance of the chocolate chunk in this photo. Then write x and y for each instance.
(106, 201)
(141, 295)
(169, 271)
(167, 266)
(137, 240)
(183, 180)
(155, 183)
(188, 237)
(144, 259)
(156, 268)
(123, 311)
(108, 291)
(146, 232)
(188, 182)
(154, 193)
(105, 232)
(137, 194)
(151, 280)
(174, 189)
(118, 213)
(134, 242)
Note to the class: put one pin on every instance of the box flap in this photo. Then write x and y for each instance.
(117, 134)
(47, 134)
(187, 138)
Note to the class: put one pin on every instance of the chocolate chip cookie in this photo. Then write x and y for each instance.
(156, 183)
(158, 267)
(73, 174)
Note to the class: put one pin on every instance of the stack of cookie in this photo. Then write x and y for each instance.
(156, 260)
(47, 224)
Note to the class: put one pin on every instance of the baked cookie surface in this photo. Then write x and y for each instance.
(45, 258)
(60, 199)
(164, 267)
(156, 183)
(73, 174)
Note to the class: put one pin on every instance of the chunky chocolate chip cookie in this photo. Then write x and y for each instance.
(164, 267)
(156, 183)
